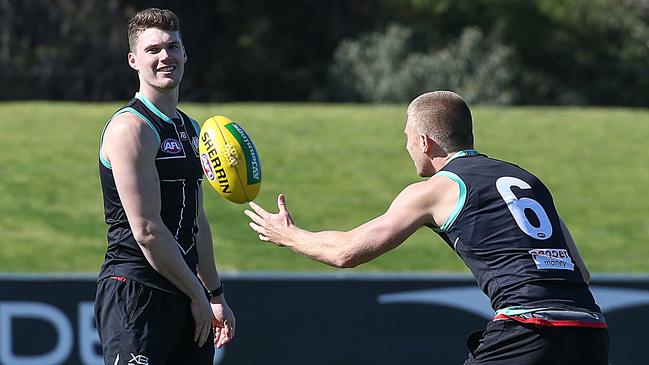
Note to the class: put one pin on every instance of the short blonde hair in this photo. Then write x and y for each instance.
(445, 118)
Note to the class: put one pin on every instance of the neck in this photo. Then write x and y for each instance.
(165, 100)
(440, 161)
(445, 158)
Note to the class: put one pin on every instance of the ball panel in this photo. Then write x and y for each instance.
(253, 165)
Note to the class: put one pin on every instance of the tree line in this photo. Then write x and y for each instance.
(579, 52)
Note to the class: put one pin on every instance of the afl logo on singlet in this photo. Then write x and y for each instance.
(171, 146)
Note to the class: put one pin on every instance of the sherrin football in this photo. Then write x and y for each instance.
(229, 159)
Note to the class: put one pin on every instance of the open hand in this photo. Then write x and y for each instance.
(276, 228)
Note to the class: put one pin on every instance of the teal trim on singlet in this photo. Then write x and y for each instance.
(459, 205)
(462, 154)
(145, 119)
(103, 160)
(152, 107)
(461, 200)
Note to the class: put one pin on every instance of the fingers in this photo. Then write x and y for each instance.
(217, 332)
(201, 332)
(224, 337)
(259, 210)
(257, 228)
(231, 327)
(197, 331)
(260, 230)
(223, 333)
(205, 333)
(202, 320)
(255, 218)
(263, 221)
(227, 334)
(281, 203)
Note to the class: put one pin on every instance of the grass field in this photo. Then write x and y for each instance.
(339, 166)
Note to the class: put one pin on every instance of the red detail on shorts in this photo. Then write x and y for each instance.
(118, 278)
(556, 323)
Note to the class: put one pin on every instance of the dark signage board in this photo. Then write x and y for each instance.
(307, 318)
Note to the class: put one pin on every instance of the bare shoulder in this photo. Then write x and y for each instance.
(128, 124)
(431, 190)
(433, 198)
(127, 134)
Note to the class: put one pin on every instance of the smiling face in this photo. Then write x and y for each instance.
(159, 58)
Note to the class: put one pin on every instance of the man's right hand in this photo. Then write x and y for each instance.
(202, 313)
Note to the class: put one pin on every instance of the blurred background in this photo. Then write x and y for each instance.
(559, 87)
(586, 52)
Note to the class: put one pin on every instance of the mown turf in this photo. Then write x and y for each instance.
(339, 166)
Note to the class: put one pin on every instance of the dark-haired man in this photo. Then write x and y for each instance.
(159, 296)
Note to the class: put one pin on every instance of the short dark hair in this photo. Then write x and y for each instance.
(151, 18)
(445, 118)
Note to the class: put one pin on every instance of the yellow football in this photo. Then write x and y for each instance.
(229, 159)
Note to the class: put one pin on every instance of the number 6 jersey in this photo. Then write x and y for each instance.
(506, 229)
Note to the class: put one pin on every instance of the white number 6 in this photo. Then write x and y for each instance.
(517, 208)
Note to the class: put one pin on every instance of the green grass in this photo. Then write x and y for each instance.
(339, 165)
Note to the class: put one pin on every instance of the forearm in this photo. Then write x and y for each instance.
(206, 267)
(161, 251)
(334, 248)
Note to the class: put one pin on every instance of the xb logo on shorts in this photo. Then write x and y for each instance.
(171, 146)
(138, 360)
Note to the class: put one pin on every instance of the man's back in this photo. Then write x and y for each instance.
(507, 231)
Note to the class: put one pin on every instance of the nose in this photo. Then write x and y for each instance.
(164, 54)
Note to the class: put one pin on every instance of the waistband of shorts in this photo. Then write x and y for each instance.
(553, 317)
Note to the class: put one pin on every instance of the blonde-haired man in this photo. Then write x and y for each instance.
(500, 219)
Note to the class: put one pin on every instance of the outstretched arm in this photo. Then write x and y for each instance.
(414, 207)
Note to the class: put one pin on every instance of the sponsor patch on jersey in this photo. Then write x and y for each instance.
(183, 135)
(195, 142)
(207, 167)
(171, 146)
(552, 258)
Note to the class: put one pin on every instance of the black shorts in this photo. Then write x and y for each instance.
(511, 342)
(138, 324)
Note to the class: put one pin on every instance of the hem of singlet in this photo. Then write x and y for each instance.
(525, 315)
(158, 287)
(552, 323)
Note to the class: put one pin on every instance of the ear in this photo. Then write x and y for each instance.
(132, 61)
(425, 143)
(428, 145)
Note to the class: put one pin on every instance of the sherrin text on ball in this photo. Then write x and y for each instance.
(229, 159)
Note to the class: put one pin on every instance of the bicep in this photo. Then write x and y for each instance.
(409, 211)
(131, 147)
